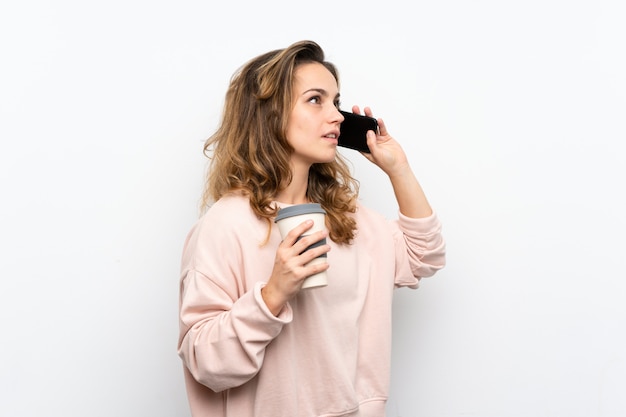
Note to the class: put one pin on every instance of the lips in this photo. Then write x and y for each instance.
(332, 135)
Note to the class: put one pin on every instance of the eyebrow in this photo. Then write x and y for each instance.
(320, 91)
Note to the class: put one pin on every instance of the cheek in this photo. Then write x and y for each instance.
(296, 129)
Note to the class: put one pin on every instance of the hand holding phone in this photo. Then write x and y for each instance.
(353, 131)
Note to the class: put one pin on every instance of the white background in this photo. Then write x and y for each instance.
(513, 115)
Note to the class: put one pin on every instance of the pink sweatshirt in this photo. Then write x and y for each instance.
(328, 352)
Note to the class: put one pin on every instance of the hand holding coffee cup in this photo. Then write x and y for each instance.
(290, 217)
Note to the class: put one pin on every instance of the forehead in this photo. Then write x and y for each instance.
(314, 75)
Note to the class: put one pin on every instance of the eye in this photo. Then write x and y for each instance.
(315, 99)
(338, 104)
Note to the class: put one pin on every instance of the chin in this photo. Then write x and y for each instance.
(321, 157)
(330, 157)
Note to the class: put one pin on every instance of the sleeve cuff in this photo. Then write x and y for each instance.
(424, 225)
(286, 314)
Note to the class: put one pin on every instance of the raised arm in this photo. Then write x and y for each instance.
(389, 156)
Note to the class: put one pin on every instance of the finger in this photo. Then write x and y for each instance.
(312, 242)
(317, 253)
(296, 232)
(382, 128)
(312, 253)
(314, 268)
(372, 142)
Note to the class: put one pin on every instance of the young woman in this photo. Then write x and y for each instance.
(252, 341)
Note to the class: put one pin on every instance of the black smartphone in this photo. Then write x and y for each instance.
(353, 131)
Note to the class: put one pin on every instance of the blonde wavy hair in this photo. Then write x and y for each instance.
(249, 151)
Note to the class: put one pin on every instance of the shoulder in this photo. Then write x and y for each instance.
(231, 204)
(365, 215)
(229, 218)
(223, 232)
(372, 225)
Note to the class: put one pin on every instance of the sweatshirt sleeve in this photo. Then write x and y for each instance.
(222, 342)
(422, 247)
(225, 326)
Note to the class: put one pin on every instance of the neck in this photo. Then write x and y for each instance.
(295, 192)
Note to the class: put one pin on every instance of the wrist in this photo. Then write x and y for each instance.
(401, 173)
(273, 304)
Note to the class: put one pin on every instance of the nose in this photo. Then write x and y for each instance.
(337, 116)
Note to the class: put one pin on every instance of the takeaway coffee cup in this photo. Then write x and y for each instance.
(290, 217)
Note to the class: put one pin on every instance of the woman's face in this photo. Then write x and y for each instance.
(313, 125)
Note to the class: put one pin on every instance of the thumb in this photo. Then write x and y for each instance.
(371, 140)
